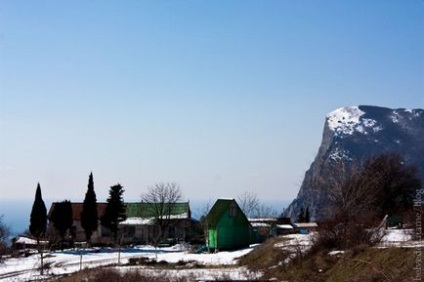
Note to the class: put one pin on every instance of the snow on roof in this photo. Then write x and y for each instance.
(262, 219)
(148, 221)
(305, 224)
(259, 224)
(284, 226)
(27, 241)
(137, 221)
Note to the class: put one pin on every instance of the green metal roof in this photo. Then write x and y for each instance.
(147, 210)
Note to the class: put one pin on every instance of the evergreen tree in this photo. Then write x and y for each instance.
(89, 216)
(307, 216)
(61, 218)
(115, 210)
(301, 216)
(38, 219)
(4, 239)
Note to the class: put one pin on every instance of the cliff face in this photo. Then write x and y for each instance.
(360, 133)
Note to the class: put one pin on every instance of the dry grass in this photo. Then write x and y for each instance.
(361, 263)
(103, 274)
(392, 264)
(264, 255)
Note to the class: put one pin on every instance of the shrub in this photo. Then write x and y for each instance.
(338, 235)
(264, 255)
(103, 274)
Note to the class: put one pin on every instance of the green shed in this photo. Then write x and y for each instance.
(227, 226)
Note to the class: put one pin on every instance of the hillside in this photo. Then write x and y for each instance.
(289, 258)
(358, 133)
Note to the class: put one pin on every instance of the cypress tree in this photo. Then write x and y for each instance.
(89, 216)
(301, 216)
(115, 210)
(38, 219)
(307, 215)
(61, 218)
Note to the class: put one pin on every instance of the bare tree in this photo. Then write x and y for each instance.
(384, 184)
(361, 195)
(397, 184)
(162, 199)
(253, 207)
(349, 190)
(4, 235)
(249, 204)
(265, 210)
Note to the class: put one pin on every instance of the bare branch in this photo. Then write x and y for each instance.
(161, 199)
(249, 204)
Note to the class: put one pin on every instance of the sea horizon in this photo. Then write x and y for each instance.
(16, 212)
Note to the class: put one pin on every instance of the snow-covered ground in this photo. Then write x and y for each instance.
(296, 244)
(215, 265)
(398, 235)
(405, 238)
(69, 261)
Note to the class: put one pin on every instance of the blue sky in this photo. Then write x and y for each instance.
(221, 97)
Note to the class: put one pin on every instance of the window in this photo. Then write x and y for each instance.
(129, 231)
(233, 210)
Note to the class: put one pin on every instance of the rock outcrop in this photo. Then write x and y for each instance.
(360, 133)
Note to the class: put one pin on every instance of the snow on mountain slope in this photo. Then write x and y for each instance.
(344, 120)
(359, 133)
(348, 120)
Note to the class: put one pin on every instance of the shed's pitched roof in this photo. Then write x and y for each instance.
(147, 210)
(77, 210)
(220, 207)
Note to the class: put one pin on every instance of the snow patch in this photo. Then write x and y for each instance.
(335, 253)
(348, 120)
(339, 155)
(344, 120)
(414, 113)
(377, 128)
(395, 117)
(398, 235)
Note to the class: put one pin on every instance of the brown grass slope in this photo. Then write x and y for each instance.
(362, 263)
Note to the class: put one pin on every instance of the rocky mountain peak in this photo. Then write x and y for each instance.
(360, 132)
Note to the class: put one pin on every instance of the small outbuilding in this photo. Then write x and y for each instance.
(263, 228)
(227, 226)
(305, 227)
